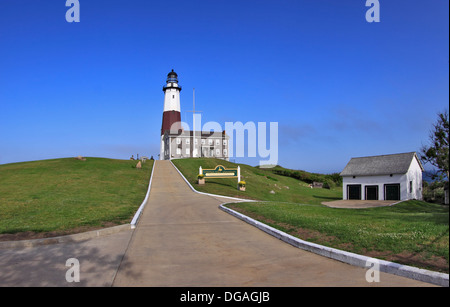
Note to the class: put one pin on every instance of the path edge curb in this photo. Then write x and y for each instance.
(138, 213)
(209, 194)
(436, 278)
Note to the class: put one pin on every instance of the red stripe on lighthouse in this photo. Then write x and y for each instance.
(170, 118)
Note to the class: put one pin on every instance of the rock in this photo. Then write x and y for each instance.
(139, 165)
(272, 192)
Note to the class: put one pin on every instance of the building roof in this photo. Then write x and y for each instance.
(380, 165)
(172, 74)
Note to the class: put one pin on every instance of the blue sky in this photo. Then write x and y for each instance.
(338, 86)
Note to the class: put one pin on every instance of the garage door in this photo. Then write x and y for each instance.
(354, 191)
(392, 191)
(371, 192)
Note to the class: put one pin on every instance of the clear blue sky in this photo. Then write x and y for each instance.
(338, 86)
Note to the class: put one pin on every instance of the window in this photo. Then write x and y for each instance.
(212, 153)
(410, 187)
(217, 152)
(210, 142)
(217, 142)
(203, 142)
(195, 141)
(178, 151)
(224, 152)
(187, 151)
(178, 141)
(188, 141)
(173, 96)
(224, 142)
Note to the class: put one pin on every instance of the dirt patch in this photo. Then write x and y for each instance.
(419, 260)
(359, 204)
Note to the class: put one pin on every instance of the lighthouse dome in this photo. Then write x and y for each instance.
(172, 77)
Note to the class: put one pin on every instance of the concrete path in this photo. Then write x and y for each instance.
(45, 265)
(183, 239)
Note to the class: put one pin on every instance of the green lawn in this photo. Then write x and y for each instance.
(413, 232)
(63, 195)
(259, 183)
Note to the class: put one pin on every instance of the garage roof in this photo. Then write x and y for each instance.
(380, 165)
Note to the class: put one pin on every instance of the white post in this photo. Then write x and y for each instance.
(170, 148)
(239, 174)
(200, 171)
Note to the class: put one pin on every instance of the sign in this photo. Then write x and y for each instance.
(220, 172)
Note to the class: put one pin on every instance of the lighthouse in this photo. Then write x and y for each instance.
(172, 111)
(171, 114)
(177, 143)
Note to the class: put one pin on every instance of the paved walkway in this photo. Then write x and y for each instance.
(45, 265)
(183, 239)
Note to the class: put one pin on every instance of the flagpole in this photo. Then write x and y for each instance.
(194, 153)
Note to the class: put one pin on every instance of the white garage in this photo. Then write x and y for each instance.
(385, 177)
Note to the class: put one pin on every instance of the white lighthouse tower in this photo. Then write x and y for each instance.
(171, 114)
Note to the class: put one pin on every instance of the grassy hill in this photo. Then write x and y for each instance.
(259, 183)
(63, 196)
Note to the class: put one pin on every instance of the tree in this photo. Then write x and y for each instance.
(436, 153)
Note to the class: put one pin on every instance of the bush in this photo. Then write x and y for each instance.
(433, 195)
(333, 180)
